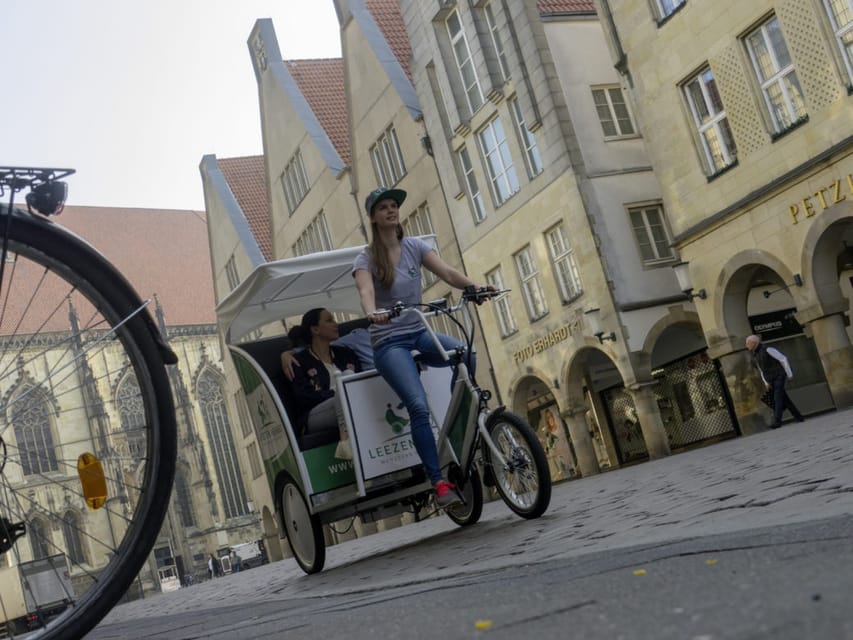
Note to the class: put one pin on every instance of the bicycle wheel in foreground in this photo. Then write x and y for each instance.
(524, 482)
(87, 433)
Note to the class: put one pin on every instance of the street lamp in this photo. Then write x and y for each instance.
(682, 273)
(594, 319)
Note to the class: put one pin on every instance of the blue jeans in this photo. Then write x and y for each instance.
(393, 359)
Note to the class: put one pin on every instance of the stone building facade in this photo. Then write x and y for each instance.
(749, 131)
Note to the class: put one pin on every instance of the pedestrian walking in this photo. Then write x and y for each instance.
(211, 567)
(775, 371)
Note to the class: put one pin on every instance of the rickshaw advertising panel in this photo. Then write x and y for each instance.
(382, 435)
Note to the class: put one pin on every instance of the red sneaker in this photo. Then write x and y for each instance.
(445, 494)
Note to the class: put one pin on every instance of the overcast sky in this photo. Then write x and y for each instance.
(132, 94)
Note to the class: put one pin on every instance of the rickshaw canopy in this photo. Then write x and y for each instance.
(290, 287)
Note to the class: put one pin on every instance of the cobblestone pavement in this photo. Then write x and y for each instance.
(799, 473)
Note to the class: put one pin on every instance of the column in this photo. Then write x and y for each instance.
(745, 389)
(575, 419)
(651, 423)
(836, 355)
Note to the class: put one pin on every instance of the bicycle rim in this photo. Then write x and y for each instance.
(523, 482)
(80, 374)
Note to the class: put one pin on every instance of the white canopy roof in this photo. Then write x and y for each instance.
(290, 287)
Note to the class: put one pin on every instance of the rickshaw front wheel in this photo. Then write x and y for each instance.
(523, 480)
(470, 511)
(304, 530)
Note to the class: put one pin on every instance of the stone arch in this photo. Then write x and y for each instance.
(735, 282)
(822, 247)
(675, 317)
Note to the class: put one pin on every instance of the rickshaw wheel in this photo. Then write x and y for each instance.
(469, 512)
(304, 531)
(524, 482)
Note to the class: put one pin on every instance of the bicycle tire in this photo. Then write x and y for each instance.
(524, 483)
(112, 339)
(469, 512)
(304, 530)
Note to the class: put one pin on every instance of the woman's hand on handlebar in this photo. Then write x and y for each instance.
(380, 316)
(479, 294)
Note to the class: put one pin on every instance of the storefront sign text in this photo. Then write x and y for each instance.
(547, 341)
(824, 198)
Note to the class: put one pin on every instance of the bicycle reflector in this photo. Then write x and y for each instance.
(48, 198)
(92, 480)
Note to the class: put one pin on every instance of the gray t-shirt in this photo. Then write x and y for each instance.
(406, 288)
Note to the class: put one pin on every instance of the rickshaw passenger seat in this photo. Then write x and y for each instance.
(267, 353)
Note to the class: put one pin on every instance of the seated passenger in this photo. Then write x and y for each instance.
(358, 340)
(316, 408)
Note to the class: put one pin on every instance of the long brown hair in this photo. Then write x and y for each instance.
(380, 261)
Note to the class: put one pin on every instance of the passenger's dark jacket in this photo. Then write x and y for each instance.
(312, 382)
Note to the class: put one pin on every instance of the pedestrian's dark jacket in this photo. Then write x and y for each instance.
(771, 368)
(312, 382)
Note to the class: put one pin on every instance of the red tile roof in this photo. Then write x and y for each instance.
(388, 18)
(163, 252)
(565, 6)
(247, 179)
(321, 81)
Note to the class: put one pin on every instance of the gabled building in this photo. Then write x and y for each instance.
(333, 130)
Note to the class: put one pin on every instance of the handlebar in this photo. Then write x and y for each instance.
(471, 293)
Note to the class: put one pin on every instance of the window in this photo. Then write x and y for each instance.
(213, 411)
(775, 71)
(419, 223)
(668, 7)
(471, 186)
(711, 121)
(39, 537)
(71, 534)
(30, 416)
(612, 112)
(498, 160)
(315, 238)
(294, 181)
(841, 16)
(563, 262)
(532, 159)
(254, 460)
(531, 287)
(243, 414)
(387, 159)
(651, 234)
(184, 500)
(497, 43)
(464, 62)
(231, 273)
(503, 311)
(131, 413)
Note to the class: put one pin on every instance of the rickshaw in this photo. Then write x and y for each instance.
(384, 478)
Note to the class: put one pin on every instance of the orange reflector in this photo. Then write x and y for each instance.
(92, 480)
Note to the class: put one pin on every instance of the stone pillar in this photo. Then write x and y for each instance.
(651, 423)
(836, 355)
(745, 389)
(575, 420)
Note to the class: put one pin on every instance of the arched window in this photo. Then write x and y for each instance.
(31, 419)
(184, 500)
(132, 415)
(71, 533)
(37, 532)
(221, 442)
